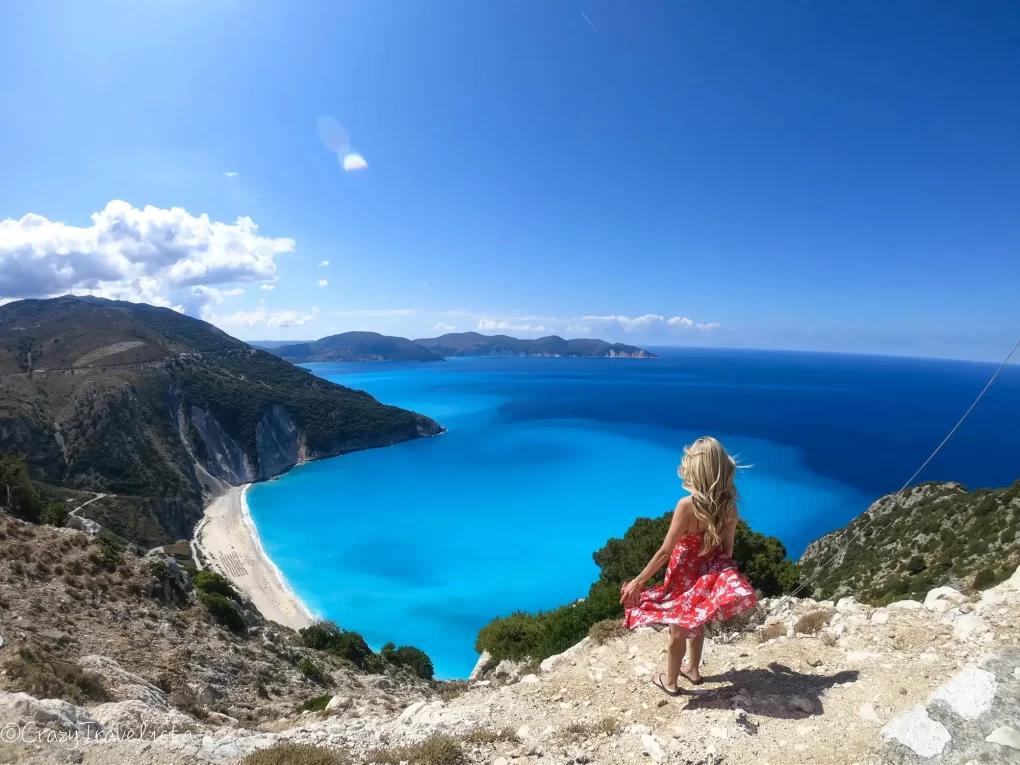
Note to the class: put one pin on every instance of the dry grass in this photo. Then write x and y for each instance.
(610, 726)
(606, 631)
(770, 632)
(297, 754)
(437, 749)
(492, 736)
(810, 623)
(828, 638)
(37, 673)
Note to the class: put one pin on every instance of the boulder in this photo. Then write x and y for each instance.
(880, 617)
(54, 713)
(138, 717)
(86, 525)
(170, 583)
(918, 732)
(849, 605)
(652, 747)
(1004, 736)
(339, 702)
(480, 666)
(944, 593)
(906, 605)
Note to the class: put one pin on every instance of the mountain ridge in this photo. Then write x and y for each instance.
(455, 344)
(165, 410)
(355, 346)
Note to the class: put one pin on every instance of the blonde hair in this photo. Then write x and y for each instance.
(708, 473)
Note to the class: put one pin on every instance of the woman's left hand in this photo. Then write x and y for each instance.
(631, 593)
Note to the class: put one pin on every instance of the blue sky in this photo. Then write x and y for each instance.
(804, 175)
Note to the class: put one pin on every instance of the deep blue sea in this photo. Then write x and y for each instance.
(545, 459)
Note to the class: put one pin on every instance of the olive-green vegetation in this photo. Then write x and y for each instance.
(926, 536)
(211, 582)
(350, 646)
(104, 396)
(33, 671)
(218, 595)
(537, 636)
(475, 344)
(355, 346)
(297, 754)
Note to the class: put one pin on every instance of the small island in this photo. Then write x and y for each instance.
(476, 344)
(355, 346)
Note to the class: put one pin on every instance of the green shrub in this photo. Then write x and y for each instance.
(315, 703)
(17, 492)
(311, 670)
(223, 610)
(327, 636)
(216, 584)
(55, 514)
(984, 579)
(413, 658)
(37, 673)
(437, 749)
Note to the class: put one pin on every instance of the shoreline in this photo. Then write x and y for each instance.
(229, 544)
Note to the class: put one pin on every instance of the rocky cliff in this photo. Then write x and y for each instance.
(131, 667)
(159, 410)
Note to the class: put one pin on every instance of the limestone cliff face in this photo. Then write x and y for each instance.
(276, 436)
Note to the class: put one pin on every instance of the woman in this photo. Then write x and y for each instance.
(702, 581)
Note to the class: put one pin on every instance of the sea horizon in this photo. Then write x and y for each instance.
(424, 542)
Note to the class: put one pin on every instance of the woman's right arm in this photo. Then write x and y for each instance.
(729, 533)
(632, 591)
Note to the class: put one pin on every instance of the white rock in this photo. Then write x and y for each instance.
(1016, 673)
(138, 717)
(637, 729)
(337, 703)
(918, 732)
(652, 747)
(501, 761)
(632, 653)
(907, 605)
(849, 605)
(530, 679)
(123, 684)
(642, 671)
(52, 712)
(411, 711)
(548, 664)
(967, 626)
(944, 593)
(720, 732)
(880, 617)
(858, 656)
(480, 665)
(867, 712)
(1004, 736)
(969, 693)
(940, 606)
(523, 732)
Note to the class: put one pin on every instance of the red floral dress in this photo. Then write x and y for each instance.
(698, 589)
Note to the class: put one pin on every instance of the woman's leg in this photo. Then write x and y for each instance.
(693, 666)
(677, 648)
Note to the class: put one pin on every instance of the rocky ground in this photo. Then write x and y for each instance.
(935, 681)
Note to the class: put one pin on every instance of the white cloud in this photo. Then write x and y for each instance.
(323, 282)
(354, 161)
(230, 174)
(713, 325)
(629, 324)
(263, 317)
(152, 254)
(267, 287)
(440, 327)
(679, 321)
(323, 263)
(491, 324)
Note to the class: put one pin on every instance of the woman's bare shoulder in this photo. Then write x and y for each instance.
(684, 506)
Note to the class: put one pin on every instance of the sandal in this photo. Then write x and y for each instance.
(691, 680)
(657, 682)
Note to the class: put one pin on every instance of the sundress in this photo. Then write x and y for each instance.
(698, 589)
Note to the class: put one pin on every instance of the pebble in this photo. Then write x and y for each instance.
(867, 712)
(802, 704)
(720, 732)
(880, 617)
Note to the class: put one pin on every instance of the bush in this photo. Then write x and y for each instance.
(38, 674)
(216, 584)
(297, 754)
(437, 749)
(812, 622)
(327, 636)
(311, 671)
(414, 659)
(223, 610)
(55, 514)
(984, 579)
(606, 630)
(17, 492)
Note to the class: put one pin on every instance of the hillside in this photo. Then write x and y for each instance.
(475, 344)
(925, 536)
(355, 346)
(162, 410)
(135, 660)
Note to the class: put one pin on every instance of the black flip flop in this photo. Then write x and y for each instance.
(657, 682)
(690, 679)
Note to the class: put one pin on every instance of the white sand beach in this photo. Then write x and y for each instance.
(229, 544)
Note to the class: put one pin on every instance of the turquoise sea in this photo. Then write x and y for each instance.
(545, 459)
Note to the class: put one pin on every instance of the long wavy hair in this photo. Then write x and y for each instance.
(708, 472)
